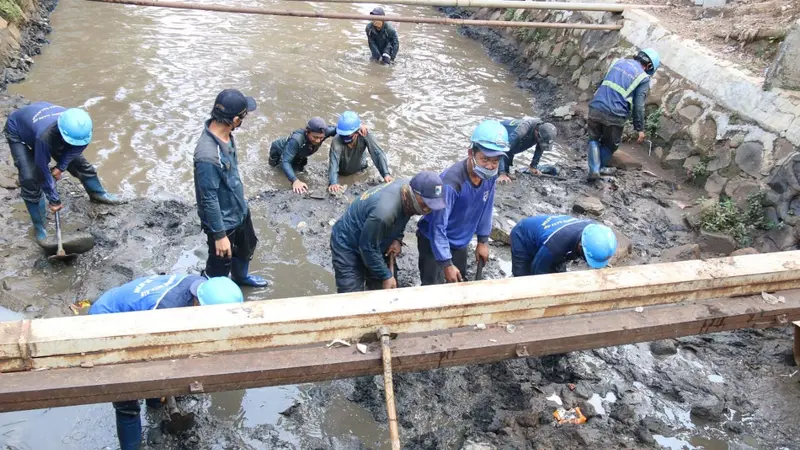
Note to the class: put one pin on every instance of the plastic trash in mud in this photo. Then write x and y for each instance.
(480, 326)
(573, 416)
(80, 307)
(771, 299)
(362, 348)
(338, 343)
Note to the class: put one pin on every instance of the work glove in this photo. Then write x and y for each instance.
(386, 58)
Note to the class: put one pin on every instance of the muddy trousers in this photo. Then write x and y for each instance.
(129, 422)
(298, 163)
(430, 271)
(29, 178)
(607, 131)
(243, 245)
(351, 273)
(522, 255)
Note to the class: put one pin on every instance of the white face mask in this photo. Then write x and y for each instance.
(483, 173)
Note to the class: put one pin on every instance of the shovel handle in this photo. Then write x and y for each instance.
(479, 272)
(60, 251)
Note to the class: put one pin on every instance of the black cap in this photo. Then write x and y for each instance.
(378, 11)
(430, 187)
(231, 103)
(316, 125)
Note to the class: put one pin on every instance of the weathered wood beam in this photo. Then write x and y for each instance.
(231, 371)
(163, 334)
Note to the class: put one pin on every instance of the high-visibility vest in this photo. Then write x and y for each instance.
(623, 77)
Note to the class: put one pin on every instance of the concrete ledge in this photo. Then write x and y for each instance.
(777, 111)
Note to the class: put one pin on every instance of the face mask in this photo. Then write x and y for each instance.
(483, 173)
(415, 204)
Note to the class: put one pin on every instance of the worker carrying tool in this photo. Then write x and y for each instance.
(522, 135)
(370, 233)
(382, 38)
(443, 236)
(624, 90)
(224, 214)
(43, 131)
(292, 152)
(543, 244)
(158, 292)
(348, 156)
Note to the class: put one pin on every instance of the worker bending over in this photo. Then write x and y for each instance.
(544, 244)
(292, 152)
(348, 152)
(382, 38)
(623, 90)
(224, 214)
(522, 135)
(158, 292)
(469, 185)
(43, 131)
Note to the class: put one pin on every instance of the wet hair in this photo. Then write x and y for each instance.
(218, 117)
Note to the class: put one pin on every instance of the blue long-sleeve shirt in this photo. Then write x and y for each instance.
(36, 125)
(147, 293)
(468, 212)
(297, 146)
(371, 223)
(522, 136)
(550, 240)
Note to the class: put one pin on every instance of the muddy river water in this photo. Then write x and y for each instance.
(148, 76)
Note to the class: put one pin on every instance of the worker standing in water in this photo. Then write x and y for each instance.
(348, 152)
(41, 132)
(544, 244)
(223, 210)
(443, 236)
(624, 90)
(522, 135)
(382, 38)
(292, 152)
(371, 231)
(158, 292)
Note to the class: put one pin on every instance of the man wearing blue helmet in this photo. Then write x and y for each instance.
(348, 154)
(469, 185)
(544, 244)
(38, 133)
(623, 90)
(158, 292)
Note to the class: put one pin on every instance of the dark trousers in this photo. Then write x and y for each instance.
(243, 245)
(351, 273)
(430, 271)
(275, 153)
(29, 177)
(129, 424)
(521, 256)
(607, 130)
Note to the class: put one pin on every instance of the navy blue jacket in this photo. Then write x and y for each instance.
(371, 223)
(522, 136)
(146, 293)
(383, 41)
(628, 75)
(550, 241)
(297, 146)
(36, 125)
(468, 212)
(220, 195)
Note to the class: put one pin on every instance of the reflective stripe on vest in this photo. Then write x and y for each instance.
(625, 93)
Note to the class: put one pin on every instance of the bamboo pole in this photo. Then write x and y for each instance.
(388, 385)
(180, 332)
(345, 16)
(502, 4)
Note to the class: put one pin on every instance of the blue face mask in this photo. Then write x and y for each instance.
(349, 138)
(483, 173)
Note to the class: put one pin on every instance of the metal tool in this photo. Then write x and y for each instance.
(177, 420)
(386, 353)
(60, 255)
(479, 272)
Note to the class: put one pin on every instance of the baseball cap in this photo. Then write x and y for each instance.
(547, 133)
(430, 187)
(378, 11)
(316, 125)
(231, 103)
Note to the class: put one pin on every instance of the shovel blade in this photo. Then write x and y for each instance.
(73, 244)
(179, 423)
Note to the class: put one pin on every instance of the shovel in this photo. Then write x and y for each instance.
(60, 255)
(479, 272)
(178, 421)
(66, 251)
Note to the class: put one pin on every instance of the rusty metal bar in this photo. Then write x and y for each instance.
(504, 4)
(242, 370)
(345, 16)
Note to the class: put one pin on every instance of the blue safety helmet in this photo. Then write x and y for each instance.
(653, 57)
(492, 138)
(348, 123)
(599, 245)
(217, 291)
(75, 126)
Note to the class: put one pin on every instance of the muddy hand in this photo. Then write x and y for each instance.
(452, 274)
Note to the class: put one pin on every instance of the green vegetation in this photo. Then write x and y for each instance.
(10, 10)
(700, 170)
(651, 122)
(726, 217)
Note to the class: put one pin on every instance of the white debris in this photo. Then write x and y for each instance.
(716, 379)
(511, 328)
(555, 399)
(338, 343)
(639, 309)
(362, 348)
(480, 326)
(492, 340)
(771, 299)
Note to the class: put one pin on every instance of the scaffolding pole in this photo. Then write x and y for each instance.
(503, 4)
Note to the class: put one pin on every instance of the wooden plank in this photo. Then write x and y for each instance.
(146, 335)
(221, 372)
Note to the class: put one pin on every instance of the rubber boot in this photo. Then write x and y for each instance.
(240, 275)
(548, 169)
(97, 192)
(38, 212)
(594, 160)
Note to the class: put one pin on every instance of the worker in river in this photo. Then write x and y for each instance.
(292, 152)
(41, 132)
(223, 210)
(443, 236)
(522, 135)
(158, 292)
(544, 244)
(624, 90)
(382, 38)
(348, 152)
(370, 233)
